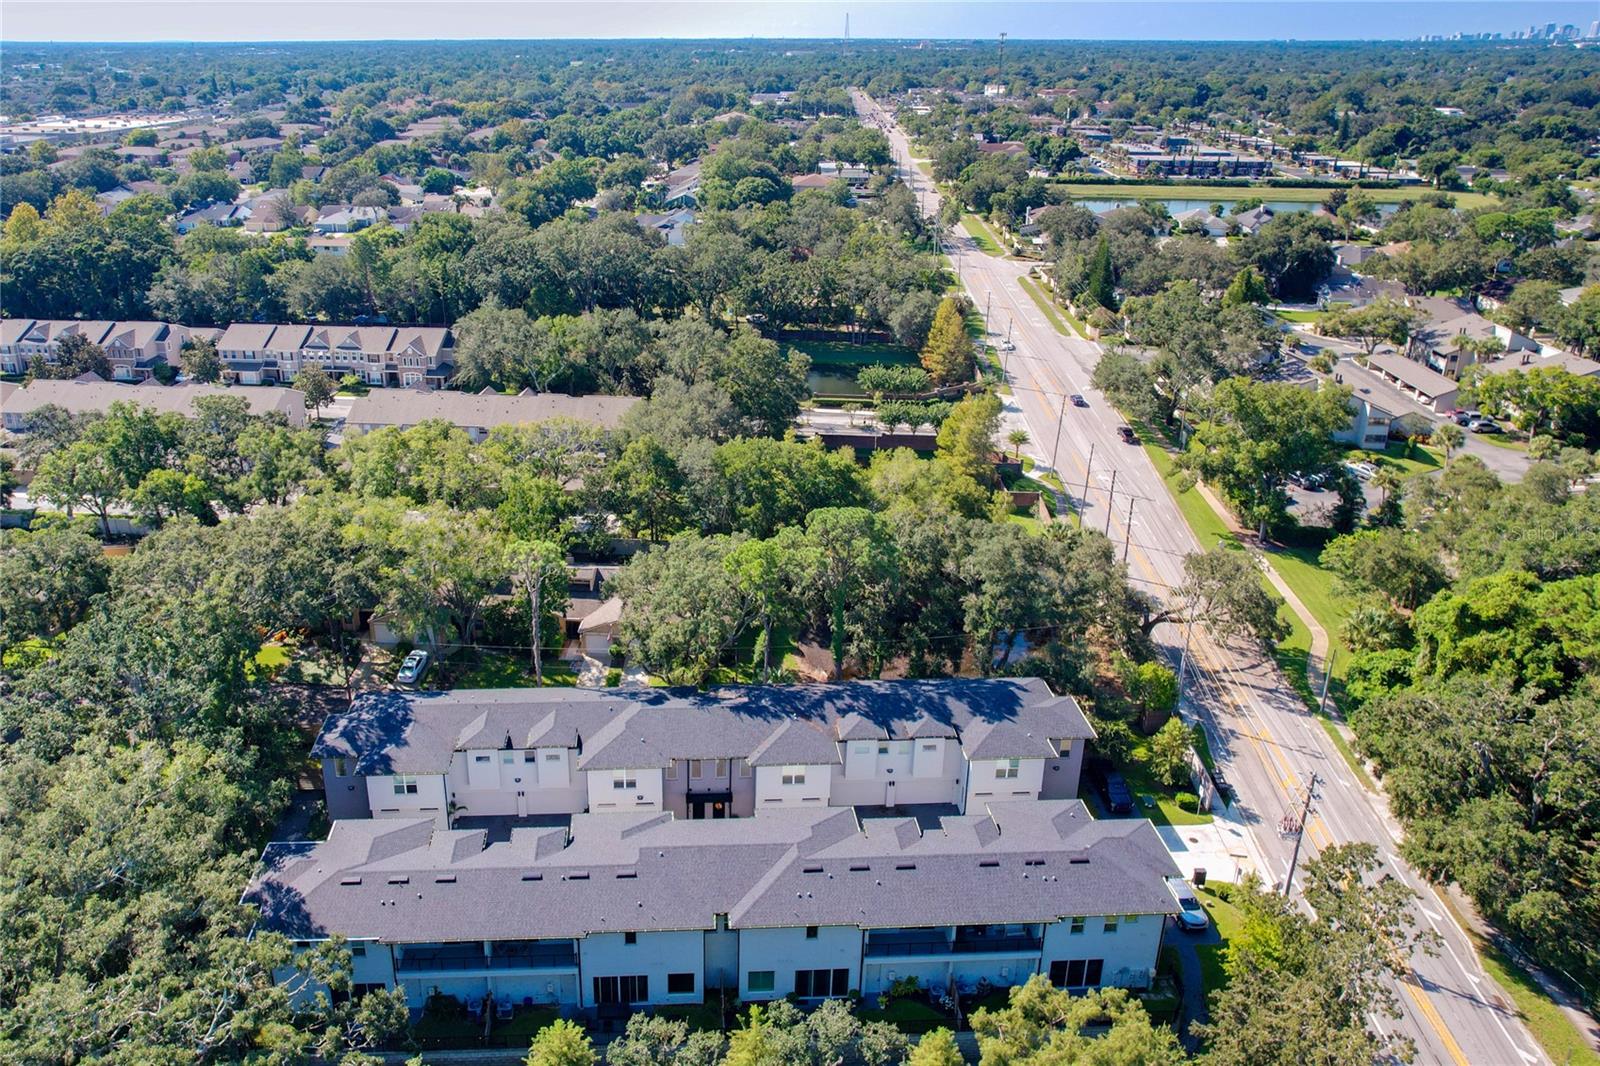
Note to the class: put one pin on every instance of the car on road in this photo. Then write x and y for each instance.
(1483, 425)
(1464, 418)
(1191, 916)
(1112, 786)
(1079, 401)
(412, 668)
(1363, 470)
(1128, 435)
(1007, 346)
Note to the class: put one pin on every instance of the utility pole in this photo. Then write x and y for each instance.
(1086, 468)
(1010, 321)
(988, 302)
(1300, 833)
(1127, 532)
(1109, 497)
(1002, 57)
(1055, 450)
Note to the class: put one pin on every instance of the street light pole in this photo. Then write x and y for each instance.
(1010, 321)
(1127, 533)
(1109, 497)
(1086, 468)
(1055, 450)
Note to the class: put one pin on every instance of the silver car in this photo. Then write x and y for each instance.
(412, 668)
(1191, 917)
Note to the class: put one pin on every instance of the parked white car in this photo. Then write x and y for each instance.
(412, 668)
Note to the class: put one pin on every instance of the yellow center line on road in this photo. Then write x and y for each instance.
(1430, 1014)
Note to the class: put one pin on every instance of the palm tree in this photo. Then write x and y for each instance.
(1447, 435)
(1018, 437)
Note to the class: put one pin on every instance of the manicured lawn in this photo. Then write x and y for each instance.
(1503, 440)
(986, 239)
(1145, 787)
(1229, 921)
(842, 353)
(496, 670)
(1298, 316)
(525, 1023)
(269, 660)
(1159, 191)
(1408, 459)
(909, 1015)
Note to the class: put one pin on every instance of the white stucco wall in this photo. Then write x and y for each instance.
(429, 798)
(984, 787)
(605, 796)
(655, 955)
(783, 951)
(771, 792)
(1132, 948)
(1063, 775)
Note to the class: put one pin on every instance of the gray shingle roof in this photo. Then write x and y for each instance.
(1019, 862)
(417, 732)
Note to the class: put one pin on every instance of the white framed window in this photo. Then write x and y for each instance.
(1008, 768)
(761, 980)
(552, 756)
(623, 779)
(744, 768)
(794, 775)
(405, 784)
(722, 768)
(696, 768)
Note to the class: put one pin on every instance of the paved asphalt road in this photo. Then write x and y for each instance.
(1263, 738)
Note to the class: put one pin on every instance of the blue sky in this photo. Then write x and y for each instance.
(255, 20)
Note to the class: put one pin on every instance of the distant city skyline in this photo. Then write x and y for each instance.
(300, 20)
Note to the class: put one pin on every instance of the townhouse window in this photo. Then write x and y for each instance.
(529, 756)
(883, 749)
(930, 747)
(672, 770)
(696, 768)
(405, 784)
(553, 756)
(1076, 973)
(623, 779)
(1129, 919)
(722, 768)
(630, 938)
(508, 757)
(480, 758)
(1076, 927)
(794, 775)
(358, 951)
(815, 984)
(744, 768)
(341, 768)
(1008, 768)
(1111, 923)
(761, 980)
(680, 984)
(811, 932)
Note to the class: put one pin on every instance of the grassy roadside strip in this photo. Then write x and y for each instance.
(1059, 316)
(985, 238)
(1292, 194)
(1563, 1041)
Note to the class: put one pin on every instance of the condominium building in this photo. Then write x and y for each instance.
(260, 353)
(521, 753)
(134, 349)
(641, 908)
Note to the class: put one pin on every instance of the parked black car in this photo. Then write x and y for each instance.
(1113, 789)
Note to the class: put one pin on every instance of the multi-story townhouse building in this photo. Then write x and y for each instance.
(527, 753)
(134, 349)
(643, 908)
(257, 353)
(97, 397)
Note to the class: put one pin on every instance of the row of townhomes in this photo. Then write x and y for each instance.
(270, 354)
(133, 348)
(598, 849)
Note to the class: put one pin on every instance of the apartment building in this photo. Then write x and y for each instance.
(951, 746)
(134, 349)
(258, 353)
(641, 908)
